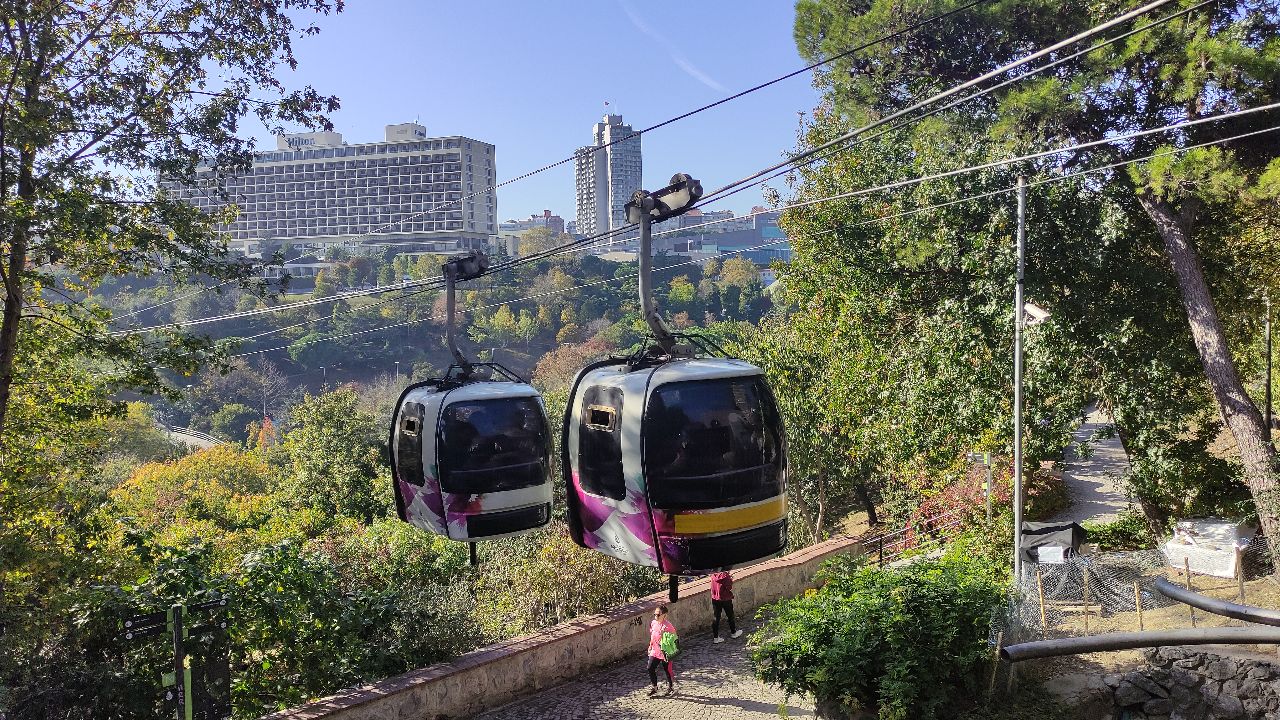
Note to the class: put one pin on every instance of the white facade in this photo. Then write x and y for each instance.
(317, 191)
(607, 175)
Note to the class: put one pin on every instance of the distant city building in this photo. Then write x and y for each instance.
(554, 223)
(724, 221)
(762, 243)
(608, 176)
(315, 191)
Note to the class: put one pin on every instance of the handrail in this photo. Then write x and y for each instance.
(197, 434)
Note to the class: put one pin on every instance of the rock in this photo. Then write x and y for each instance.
(1112, 680)
(1160, 675)
(1254, 707)
(1190, 712)
(1260, 672)
(1161, 706)
(1183, 695)
(1185, 678)
(1129, 694)
(1228, 707)
(1147, 684)
(1230, 687)
(1086, 693)
(1249, 688)
(1221, 669)
(1171, 653)
(1187, 663)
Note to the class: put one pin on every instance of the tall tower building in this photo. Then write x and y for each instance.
(607, 177)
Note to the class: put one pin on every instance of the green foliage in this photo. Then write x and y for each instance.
(336, 450)
(903, 643)
(1127, 532)
(232, 421)
(544, 578)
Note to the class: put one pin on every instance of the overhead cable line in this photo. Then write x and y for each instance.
(904, 122)
(1010, 161)
(593, 149)
(853, 194)
(813, 152)
(1085, 35)
(833, 198)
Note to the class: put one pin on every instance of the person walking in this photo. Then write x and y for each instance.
(657, 656)
(722, 602)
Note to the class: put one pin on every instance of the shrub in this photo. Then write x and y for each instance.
(1127, 532)
(899, 643)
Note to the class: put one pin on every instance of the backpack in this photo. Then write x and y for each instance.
(670, 646)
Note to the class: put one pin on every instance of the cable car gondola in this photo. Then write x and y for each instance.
(471, 452)
(674, 458)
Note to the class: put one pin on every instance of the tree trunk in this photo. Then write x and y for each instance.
(822, 508)
(13, 295)
(1239, 413)
(864, 496)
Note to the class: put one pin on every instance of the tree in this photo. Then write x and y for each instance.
(1194, 205)
(739, 271)
(232, 421)
(335, 450)
(711, 268)
(540, 239)
(104, 103)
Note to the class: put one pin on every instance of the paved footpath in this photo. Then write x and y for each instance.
(714, 682)
(1095, 483)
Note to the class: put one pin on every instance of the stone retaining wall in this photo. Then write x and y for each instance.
(1195, 684)
(498, 674)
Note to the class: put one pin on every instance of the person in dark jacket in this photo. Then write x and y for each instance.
(722, 602)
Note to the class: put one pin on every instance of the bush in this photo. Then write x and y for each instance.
(231, 422)
(899, 643)
(1127, 532)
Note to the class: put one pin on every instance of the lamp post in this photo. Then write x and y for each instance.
(1017, 382)
(397, 371)
(985, 459)
(324, 378)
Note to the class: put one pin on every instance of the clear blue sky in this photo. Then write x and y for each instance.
(532, 78)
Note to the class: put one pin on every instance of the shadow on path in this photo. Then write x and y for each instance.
(713, 682)
(1095, 483)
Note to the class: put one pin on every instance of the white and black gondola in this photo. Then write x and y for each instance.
(471, 451)
(674, 457)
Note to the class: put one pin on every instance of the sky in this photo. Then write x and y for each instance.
(532, 78)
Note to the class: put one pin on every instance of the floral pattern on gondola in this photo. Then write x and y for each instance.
(422, 503)
(623, 528)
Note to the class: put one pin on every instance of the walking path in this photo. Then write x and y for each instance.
(714, 683)
(1095, 483)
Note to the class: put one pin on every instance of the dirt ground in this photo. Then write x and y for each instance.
(1260, 592)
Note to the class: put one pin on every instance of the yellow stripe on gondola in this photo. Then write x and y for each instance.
(734, 519)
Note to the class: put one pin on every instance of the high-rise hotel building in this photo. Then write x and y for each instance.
(315, 190)
(607, 176)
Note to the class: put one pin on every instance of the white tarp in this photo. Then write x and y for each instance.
(1209, 545)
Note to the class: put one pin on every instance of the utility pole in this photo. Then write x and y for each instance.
(1017, 382)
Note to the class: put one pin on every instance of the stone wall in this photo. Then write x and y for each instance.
(498, 674)
(1183, 683)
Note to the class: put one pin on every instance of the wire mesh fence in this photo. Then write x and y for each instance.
(1096, 593)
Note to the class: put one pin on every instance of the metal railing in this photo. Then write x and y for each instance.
(195, 434)
(891, 546)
